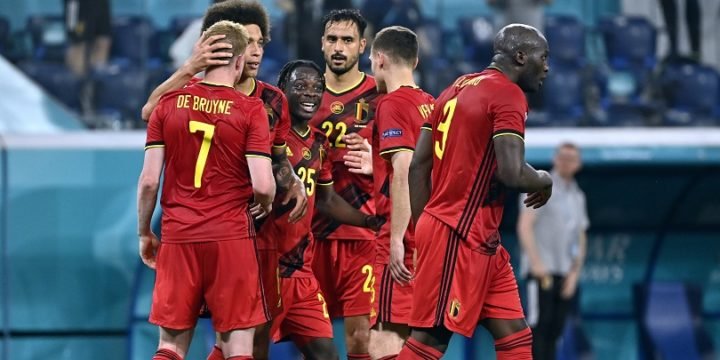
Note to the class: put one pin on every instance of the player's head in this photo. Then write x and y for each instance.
(524, 50)
(235, 35)
(343, 41)
(566, 161)
(394, 47)
(252, 15)
(303, 83)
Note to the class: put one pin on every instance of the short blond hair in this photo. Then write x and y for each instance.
(235, 35)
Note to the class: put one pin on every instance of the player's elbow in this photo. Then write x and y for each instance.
(148, 184)
(146, 111)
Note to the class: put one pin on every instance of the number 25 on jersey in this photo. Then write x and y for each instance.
(444, 127)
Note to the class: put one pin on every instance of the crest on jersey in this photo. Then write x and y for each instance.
(271, 115)
(288, 151)
(454, 311)
(362, 110)
(337, 107)
(307, 155)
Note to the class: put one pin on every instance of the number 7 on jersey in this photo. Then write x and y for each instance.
(208, 131)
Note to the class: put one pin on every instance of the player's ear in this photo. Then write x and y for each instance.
(363, 43)
(239, 62)
(520, 57)
(415, 63)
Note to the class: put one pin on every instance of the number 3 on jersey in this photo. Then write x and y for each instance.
(208, 131)
(444, 127)
(335, 132)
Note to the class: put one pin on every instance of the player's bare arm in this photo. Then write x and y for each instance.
(399, 215)
(288, 181)
(515, 173)
(329, 203)
(205, 53)
(148, 186)
(419, 174)
(262, 181)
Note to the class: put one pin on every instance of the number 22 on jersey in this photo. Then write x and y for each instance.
(444, 127)
(208, 131)
(335, 132)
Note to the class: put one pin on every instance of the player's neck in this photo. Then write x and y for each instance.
(301, 127)
(398, 79)
(506, 70)
(246, 85)
(339, 83)
(219, 76)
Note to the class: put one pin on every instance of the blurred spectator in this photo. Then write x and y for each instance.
(529, 12)
(182, 47)
(401, 12)
(88, 26)
(553, 242)
(692, 21)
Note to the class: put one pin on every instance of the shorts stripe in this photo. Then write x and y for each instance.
(447, 276)
(386, 287)
(422, 353)
(266, 306)
(482, 179)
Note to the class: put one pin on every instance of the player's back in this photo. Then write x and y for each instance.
(467, 116)
(208, 130)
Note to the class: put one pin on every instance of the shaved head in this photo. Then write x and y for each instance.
(521, 51)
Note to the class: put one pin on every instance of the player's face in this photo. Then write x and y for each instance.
(535, 69)
(376, 62)
(567, 162)
(342, 45)
(253, 52)
(304, 91)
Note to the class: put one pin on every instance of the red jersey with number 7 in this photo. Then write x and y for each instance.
(207, 132)
(344, 112)
(465, 194)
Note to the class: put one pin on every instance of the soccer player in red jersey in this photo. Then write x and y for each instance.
(463, 273)
(400, 115)
(304, 318)
(345, 254)
(211, 142)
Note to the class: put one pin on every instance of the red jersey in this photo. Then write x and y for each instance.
(276, 106)
(308, 155)
(207, 131)
(468, 115)
(342, 113)
(399, 117)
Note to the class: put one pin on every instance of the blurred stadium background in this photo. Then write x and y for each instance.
(72, 284)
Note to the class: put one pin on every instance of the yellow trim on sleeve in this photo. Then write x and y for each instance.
(257, 156)
(396, 150)
(425, 128)
(509, 133)
(154, 146)
(280, 146)
(326, 184)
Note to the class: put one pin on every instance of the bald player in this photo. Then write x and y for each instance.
(477, 134)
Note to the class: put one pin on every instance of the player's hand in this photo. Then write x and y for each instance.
(357, 142)
(398, 271)
(539, 198)
(257, 211)
(569, 286)
(148, 249)
(297, 193)
(207, 53)
(359, 162)
(374, 222)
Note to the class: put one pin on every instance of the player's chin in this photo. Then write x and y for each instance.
(251, 73)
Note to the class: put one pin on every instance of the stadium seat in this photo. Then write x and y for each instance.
(48, 37)
(4, 34)
(567, 36)
(630, 42)
(57, 80)
(277, 49)
(132, 36)
(178, 24)
(121, 89)
(477, 35)
(670, 322)
(682, 84)
(563, 96)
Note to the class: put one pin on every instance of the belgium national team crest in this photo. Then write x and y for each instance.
(271, 115)
(362, 111)
(307, 155)
(337, 107)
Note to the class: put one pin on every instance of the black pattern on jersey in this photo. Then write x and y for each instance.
(294, 259)
(274, 100)
(355, 197)
(477, 193)
(317, 144)
(385, 188)
(495, 194)
(369, 96)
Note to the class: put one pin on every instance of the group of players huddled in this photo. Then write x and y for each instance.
(409, 193)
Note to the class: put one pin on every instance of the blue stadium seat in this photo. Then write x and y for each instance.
(566, 34)
(563, 96)
(277, 48)
(670, 322)
(48, 37)
(131, 39)
(4, 34)
(178, 24)
(630, 42)
(682, 84)
(57, 80)
(477, 35)
(121, 89)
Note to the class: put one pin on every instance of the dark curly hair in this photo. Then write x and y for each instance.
(341, 15)
(285, 72)
(244, 12)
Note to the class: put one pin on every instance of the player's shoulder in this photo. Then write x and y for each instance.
(264, 89)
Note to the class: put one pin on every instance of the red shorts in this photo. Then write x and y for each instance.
(344, 270)
(189, 274)
(270, 274)
(304, 312)
(460, 286)
(392, 301)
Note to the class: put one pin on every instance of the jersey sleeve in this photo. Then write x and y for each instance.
(509, 111)
(395, 124)
(258, 131)
(154, 137)
(283, 125)
(325, 177)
